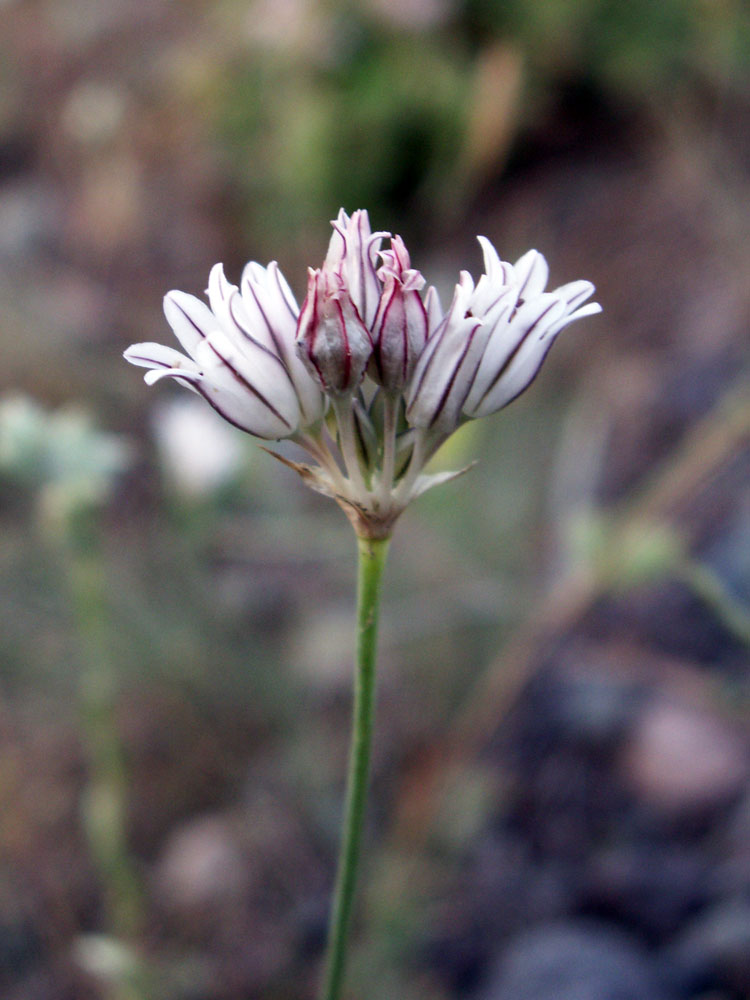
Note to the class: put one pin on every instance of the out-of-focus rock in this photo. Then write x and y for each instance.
(575, 960)
(682, 759)
(714, 950)
(581, 703)
(202, 866)
(650, 886)
(93, 113)
(30, 220)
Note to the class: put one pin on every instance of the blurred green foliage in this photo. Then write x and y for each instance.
(635, 47)
(377, 128)
(378, 113)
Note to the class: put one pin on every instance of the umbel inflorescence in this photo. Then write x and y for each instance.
(371, 375)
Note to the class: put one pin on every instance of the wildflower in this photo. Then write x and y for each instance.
(240, 353)
(400, 376)
(447, 365)
(493, 340)
(399, 372)
(352, 254)
(522, 335)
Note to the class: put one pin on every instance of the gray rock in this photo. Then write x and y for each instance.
(714, 950)
(654, 887)
(574, 960)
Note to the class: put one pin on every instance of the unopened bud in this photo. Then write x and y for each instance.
(332, 340)
(400, 328)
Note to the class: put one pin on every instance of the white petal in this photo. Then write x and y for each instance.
(588, 310)
(266, 312)
(433, 309)
(157, 374)
(250, 369)
(353, 251)
(219, 291)
(190, 319)
(499, 272)
(238, 404)
(447, 365)
(156, 356)
(532, 321)
(575, 293)
(532, 274)
(520, 374)
(491, 300)
(501, 309)
(244, 410)
(276, 277)
(312, 401)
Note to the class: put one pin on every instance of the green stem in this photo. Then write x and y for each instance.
(709, 586)
(390, 417)
(372, 556)
(105, 795)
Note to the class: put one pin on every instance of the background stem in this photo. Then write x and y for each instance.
(372, 556)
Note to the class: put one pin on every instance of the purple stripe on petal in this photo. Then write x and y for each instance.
(284, 291)
(454, 375)
(249, 387)
(509, 360)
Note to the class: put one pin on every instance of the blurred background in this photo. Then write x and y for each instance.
(561, 794)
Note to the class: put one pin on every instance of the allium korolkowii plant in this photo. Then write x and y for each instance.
(369, 377)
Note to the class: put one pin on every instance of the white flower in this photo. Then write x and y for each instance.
(447, 364)
(272, 314)
(522, 332)
(198, 452)
(334, 337)
(491, 343)
(401, 373)
(240, 353)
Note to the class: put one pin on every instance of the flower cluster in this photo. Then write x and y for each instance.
(371, 375)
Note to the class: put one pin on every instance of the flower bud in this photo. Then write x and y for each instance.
(352, 255)
(400, 328)
(332, 340)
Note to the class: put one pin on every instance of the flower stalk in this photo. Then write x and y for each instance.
(372, 557)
